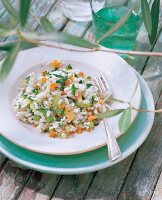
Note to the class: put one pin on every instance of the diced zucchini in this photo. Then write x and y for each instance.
(43, 111)
(83, 105)
(50, 119)
(56, 100)
(91, 125)
(36, 117)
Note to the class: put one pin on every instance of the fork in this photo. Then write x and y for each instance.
(113, 147)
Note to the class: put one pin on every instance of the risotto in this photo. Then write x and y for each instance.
(61, 101)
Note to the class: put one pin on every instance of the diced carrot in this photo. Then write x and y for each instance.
(70, 116)
(53, 86)
(79, 97)
(63, 105)
(80, 74)
(67, 110)
(91, 118)
(52, 134)
(79, 130)
(63, 93)
(43, 79)
(67, 82)
(88, 130)
(71, 78)
(100, 101)
(55, 63)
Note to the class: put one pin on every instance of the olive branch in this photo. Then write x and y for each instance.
(27, 38)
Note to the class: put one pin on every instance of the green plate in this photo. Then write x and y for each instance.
(90, 161)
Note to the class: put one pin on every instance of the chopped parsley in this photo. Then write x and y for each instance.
(35, 91)
(80, 82)
(69, 66)
(59, 76)
(88, 85)
(92, 100)
(73, 89)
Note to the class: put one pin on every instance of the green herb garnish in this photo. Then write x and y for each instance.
(88, 85)
(59, 76)
(61, 81)
(69, 66)
(80, 82)
(60, 124)
(73, 89)
(92, 100)
(62, 112)
(35, 91)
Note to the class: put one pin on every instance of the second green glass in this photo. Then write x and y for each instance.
(105, 15)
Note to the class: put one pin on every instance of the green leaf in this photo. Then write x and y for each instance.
(26, 45)
(125, 120)
(9, 61)
(146, 14)
(10, 9)
(24, 11)
(155, 19)
(109, 113)
(111, 99)
(7, 46)
(4, 33)
(68, 39)
(46, 24)
(4, 26)
(118, 25)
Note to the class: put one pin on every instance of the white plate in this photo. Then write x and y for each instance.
(120, 75)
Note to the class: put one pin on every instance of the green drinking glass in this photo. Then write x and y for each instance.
(106, 14)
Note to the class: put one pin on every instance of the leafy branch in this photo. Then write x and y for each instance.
(29, 39)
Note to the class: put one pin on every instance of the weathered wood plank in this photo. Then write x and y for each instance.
(107, 183)
(153, 71)
(2, 161)
(7, 19)
(57, 18)
(147, 165)
(12, 180)
(158, 190)
(39, 186)
(2, 9)
(73, 187)
(39, 9)
(76, 28)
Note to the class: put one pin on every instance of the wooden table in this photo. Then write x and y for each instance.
(137, 177)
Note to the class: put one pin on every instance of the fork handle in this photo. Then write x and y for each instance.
(113, 147)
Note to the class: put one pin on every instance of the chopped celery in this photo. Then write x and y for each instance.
(83, 105)
(43, 111)
(73, 89)
(36, 117)
(56, 100)
(63, 136)
(91, 125)
(50, 119)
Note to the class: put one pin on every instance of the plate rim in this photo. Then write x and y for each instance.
(96, 167)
